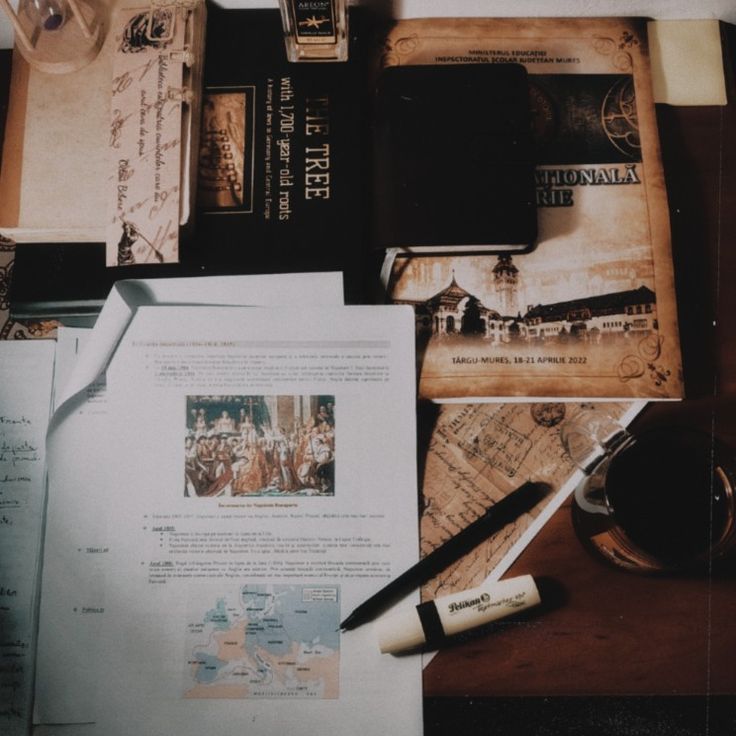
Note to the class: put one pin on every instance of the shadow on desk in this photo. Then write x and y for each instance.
(581, 716)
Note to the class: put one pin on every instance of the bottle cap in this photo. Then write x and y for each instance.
(400, 631)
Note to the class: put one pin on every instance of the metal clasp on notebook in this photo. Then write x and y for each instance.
(184, 56)
(180, 94)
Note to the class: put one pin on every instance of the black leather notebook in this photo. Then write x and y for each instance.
(453, 164)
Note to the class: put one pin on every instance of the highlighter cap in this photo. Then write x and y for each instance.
(400, 631)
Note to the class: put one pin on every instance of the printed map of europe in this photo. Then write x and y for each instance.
(267, 641)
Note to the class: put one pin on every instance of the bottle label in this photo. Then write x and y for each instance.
(314, 19)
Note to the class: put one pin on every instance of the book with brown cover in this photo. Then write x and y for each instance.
(591, 312)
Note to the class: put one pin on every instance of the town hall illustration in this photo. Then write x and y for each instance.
(456, 312)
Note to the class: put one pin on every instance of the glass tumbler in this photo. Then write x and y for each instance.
(658, 501)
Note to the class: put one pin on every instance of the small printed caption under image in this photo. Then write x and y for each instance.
(265, 641)
(260, 446)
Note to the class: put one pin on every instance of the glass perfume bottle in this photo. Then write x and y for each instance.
(315, 30)
(56, 36)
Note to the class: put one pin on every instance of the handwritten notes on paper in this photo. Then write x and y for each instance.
(25, 395)
(145, 135)
(477, 454)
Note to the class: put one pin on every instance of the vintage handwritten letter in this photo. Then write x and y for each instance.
(25, 395)
(145, 136)
(477, 454)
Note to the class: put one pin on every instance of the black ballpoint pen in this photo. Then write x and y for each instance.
(503, 512)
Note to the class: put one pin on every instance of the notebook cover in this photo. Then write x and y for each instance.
(452, 158)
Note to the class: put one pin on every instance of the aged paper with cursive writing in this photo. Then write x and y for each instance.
(478, 453)
(26, 368)
(146, 136)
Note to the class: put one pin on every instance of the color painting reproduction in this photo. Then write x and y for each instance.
(260, 446)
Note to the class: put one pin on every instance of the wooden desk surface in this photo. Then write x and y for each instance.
(618, 633)
(613, 634)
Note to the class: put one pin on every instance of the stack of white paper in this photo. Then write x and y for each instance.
(240, 479)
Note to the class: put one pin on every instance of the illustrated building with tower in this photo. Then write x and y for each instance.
(456, 311)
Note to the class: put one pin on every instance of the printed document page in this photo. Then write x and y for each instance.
(25, 400)
(263, 484)
(77, 545)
